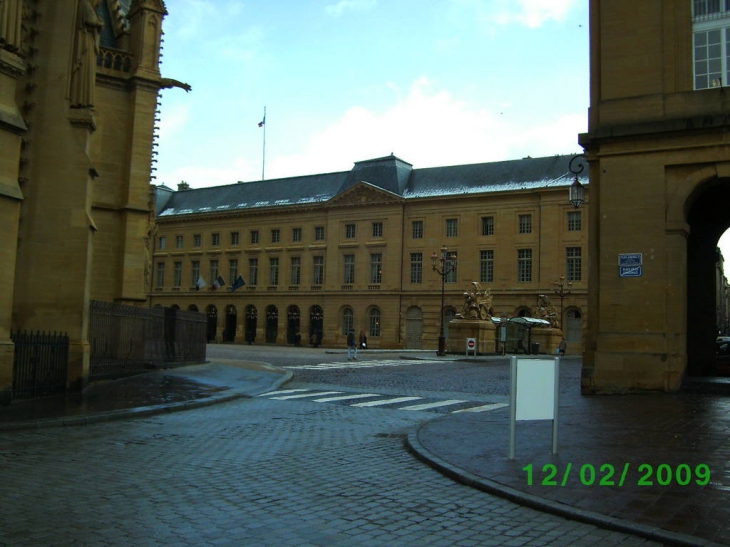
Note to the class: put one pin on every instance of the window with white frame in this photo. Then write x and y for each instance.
(377, 229)
(253, 271)
(450, 266)
(575, 221)
(234, 238)
(574, 266)
(296, 235)
(524, 265)
(452, 227)
(160, 275)
(318, 270)
(348, 321)
(710, 38)
(488, 226)
(213, 270)
(486, 266)
(296, 270)
(417, 229)
(178, 242)
(319, 233)
(349, 231)
(525, 224)
(163, 243)
(349, 278)
(376, 268)
(375, 322)
(232, 270)
(275, 235)
(195, 273)
(177, 275)
(274, 271)
(416, 267)
(216, 239)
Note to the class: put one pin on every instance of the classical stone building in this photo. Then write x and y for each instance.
(657, 144)
(79, 84)
(323, 254)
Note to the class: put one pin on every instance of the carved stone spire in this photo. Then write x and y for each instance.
(145, 20)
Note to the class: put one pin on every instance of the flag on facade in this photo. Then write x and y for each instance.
(220, 281)
(238, 283)
(200, 283)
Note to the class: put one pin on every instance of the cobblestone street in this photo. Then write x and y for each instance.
(254, 472)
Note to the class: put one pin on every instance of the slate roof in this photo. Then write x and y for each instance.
(389, 173)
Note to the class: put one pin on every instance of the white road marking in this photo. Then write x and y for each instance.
(483, 408)
(426, 406)
(346, 397)
(387, 401)
(303, 395)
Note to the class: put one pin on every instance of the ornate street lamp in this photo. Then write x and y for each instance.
(562, 289)
(447, 263)
(577, 193)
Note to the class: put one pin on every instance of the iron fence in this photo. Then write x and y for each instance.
(40, 364)
(127, 339)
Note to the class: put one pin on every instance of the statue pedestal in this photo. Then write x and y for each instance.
(483, 331)
(549, 339)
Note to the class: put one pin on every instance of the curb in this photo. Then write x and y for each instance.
(414, 446)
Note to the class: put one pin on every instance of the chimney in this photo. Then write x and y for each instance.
(181, 186)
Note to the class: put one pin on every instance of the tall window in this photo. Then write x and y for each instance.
(319, 233)
(178, 242)
(524, 265)
(213, 270)
(296, 270)
(376, 268)
(275, 235)
(451, 265)
(318, 270)
(216, 240)
(254, 237)
(232, 270)
(487, 226)
(160, 275)
(274, 271)
(349, 270)
(234, 238)
(416, 267)
(377, 229)
(417, 229)
(177, 275)
(574, 267)
(452, 227)
(525, 224)
(253, 271)
(575, 221)
(375, 322)
(195, 272)
(197, 240)
(349, 231)
(296, 235)
(711, 35)
(348, 321)
(163, 243)
(486, 266)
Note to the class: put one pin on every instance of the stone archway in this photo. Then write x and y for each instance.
(316, 325)
(251, 319)
(229, 333)
(708, 216)
(272, 324)
(212, 313)
(292, 324)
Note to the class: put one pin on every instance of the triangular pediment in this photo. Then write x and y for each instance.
(364, 193)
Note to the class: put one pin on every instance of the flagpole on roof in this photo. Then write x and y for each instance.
(263, 162)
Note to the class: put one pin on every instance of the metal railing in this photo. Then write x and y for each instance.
(127, 339)
(40, 364)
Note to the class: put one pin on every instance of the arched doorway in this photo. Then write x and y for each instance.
(272, 324)
(414, 327)
(212, 313)
(250, 327)
(192, 307)
(292, 324)
(229, 333)
(316, 325)
(708, 217)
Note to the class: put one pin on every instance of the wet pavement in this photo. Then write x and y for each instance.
(656, 465)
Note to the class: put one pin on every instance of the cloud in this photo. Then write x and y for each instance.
(428, 128)
(336, 10)
(530, 13)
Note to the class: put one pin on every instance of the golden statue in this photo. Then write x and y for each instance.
(477, 303)
(545, 310)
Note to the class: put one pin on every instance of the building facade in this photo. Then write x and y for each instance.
(79, 85)
(657, 145)
(324, 254)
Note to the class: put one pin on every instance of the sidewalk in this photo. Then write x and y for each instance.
(678, 432)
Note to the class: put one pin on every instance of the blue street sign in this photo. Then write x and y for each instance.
(630, 259)
(630, 271)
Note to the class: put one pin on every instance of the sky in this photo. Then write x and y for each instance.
(435, 82)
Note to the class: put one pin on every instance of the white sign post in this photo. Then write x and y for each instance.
(534, 390)
(471, 345)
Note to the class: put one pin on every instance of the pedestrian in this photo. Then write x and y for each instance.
(351, 346)
(363, 340)
(298, 339)
(562, 346)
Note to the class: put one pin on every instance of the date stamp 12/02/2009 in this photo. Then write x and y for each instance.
(609, 475)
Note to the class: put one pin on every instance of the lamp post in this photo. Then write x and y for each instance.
(562, 292)
(576, 192)
(447, 263)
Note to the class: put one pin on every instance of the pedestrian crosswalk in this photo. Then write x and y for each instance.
(363, 364)
(395, 402)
